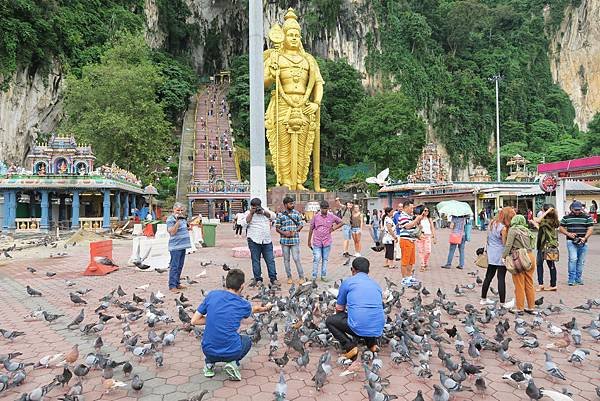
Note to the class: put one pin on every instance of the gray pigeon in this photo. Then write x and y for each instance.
(34, 293)
(78, 319)
(280, 388)
(552, 369)
(440, 393)
(450, 384)
(137, 383)
(375, 395)
(532, 391)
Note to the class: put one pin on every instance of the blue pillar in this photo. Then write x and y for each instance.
(190, 207)
(126, 208)
(118, 205)
(75, 211)
(12, 211)
(44, 223)
(106, 209)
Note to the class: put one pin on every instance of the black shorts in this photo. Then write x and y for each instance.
(389, 251)
(238, 229)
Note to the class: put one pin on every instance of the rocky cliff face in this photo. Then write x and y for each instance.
(31, 105)
(575, 59)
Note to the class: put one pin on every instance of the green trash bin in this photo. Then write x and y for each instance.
(210, 234)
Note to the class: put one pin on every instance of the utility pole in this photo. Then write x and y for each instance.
(258, 172)
(496, 78)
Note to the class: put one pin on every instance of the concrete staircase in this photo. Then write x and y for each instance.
(186, 152)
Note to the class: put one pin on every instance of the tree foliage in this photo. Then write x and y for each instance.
(114, 107)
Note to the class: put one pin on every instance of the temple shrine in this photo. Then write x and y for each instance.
(59, 188)
(430, 166)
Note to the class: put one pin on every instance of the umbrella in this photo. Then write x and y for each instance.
(454, 208)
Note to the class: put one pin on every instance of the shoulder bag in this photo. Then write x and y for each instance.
(482, 260)
(456, 238)
(520, 259)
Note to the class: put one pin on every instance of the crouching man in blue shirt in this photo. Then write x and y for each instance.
(221, 312)
(359, 311)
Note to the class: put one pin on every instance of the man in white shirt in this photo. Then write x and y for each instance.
(258, 223)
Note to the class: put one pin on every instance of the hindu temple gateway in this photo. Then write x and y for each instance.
(59, 188)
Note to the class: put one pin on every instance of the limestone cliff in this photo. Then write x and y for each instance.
(575, 59)
(31, 105)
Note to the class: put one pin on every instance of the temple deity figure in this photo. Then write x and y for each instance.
(292, 119)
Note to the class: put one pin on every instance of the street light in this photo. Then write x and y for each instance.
(496, 78)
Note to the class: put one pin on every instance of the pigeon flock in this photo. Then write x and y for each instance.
(432, 336)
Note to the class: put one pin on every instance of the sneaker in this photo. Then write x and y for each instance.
(580, 282)
(254, 282)
(275, 282)
(446, 267)
(324, 279)
(486, 301)
(357, 255)
(352, 353)
(459, 267)
(290, 281)
(510, 304)
(571, 283)
(346, 254)
(208, 370)
(233, 371)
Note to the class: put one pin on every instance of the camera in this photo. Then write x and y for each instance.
(576, 240)
(180, 217)
(258, 210)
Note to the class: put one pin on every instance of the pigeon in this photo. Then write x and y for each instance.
(450, 384)
(76, 299)
(480, 385)
(555, 395)
(50, 317)
(440, 393)
(143, 287)
(33, 292)
(281, 362)
(11, 334)
(419, 396)
(110, 384)
(137, 383)
(517, 378)
(532, 391)
(77, 320)
(120, 292)
(578, 356)
(103, 260)
(49, 360)
(31, 270)
(50, 274)
(375, 395)
(64, 377)
(72, 356)
(280, 388)
(539, 301)
(552, 368)
(197, 397)
(127, 369)
(81, 370)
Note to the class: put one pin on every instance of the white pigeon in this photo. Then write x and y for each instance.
(202, 273)
(159, 295)
(50, 360)
(381, 178)
(555, 395)
(143, 287)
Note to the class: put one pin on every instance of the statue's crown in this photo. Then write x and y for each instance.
(291, 20)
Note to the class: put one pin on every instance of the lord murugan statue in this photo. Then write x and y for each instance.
(292, 119)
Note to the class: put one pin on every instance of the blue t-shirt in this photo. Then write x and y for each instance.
(363, 299)
(396, 217)
(181, 239)
(224, 311)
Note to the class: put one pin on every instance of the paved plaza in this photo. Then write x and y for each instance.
(181, 376)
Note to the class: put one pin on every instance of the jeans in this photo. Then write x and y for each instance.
(376, 233)
(175, 267)
(576, 260)
(461, 251)
(500, 272)
(540, 269)
(338, 327)
(294, 251)
(266, 250)
(246, 345)
(320, 253)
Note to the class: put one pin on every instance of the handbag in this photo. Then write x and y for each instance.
(482, 260)
(551, 253)
(468, 230)
(456, 238)
(520, 259)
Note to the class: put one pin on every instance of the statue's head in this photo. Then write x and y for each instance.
(292, 30)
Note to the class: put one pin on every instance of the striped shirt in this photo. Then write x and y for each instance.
(290, 221)
(403, 220)
(181, 239)
(577, 224)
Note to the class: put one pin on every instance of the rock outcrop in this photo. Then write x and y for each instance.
(575, 59)
(31, 105)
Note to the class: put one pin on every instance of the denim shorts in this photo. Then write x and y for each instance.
(355, 230)
(347, 231)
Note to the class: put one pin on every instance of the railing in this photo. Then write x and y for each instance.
(204, 187)
(30, 176)
(94, 223)
(28, 224)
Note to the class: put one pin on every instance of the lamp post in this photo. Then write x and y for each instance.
(496, 78)
(258, 172)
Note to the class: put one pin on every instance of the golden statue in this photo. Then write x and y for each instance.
(292, 119)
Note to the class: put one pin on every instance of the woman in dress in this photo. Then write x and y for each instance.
(356, 224)
(424, 241)
(389, 237)
(547, 225)
(496, 237)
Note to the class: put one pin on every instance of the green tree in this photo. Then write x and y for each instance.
(113, 106)
(591, 146)
(396, 133)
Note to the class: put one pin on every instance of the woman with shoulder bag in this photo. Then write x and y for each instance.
(518, 242)
(457, 240)
(496, 237)
(389, 237)
(547, 246)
